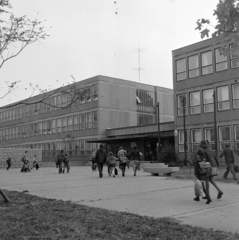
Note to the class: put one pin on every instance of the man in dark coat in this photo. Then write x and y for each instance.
(60, 159)
(229, 160)
(100, 159)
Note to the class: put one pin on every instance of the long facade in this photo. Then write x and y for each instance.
(107, 103)
(200, 73)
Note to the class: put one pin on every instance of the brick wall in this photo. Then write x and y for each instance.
(16, 156)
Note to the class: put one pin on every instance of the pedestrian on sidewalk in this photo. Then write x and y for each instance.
(60, 159)
(66, 164)
(229, 160)
(100, 159)
(135, 157)
(9, 163)
(35, 162)
(213, 170)
(122, 160)
(111, 161)
(26, 163)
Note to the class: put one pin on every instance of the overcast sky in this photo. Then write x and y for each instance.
(102, 37)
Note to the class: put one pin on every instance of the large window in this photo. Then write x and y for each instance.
(236, 132)
(210, 136)
(69, 123)
(181, 140)
(221, 60)
(145, 100)
(181, 69)
(208, 102)
(235, 95)
(82, 121)
(223, 98)
(88, 120)
(206, 59)
(195, 106)
(196, 137)
(224, 136)
(193, 66)
(234, 56)
(94, 119)
(181, 98)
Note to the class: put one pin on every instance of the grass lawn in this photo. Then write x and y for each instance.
(30, 217)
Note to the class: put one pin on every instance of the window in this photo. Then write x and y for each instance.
(223, 98)
(145, 119)
(64, 124)
(17, 113)
(88, 147)
(182, 98)
(82, 96)
(88, 94)
(4, 116)
(224, 136)
(193, 66)
(70, 147)
(221, 60)
(235, 95)
(53, 125)
(181, 140)
(145, 100)
(69, 123)
(75, 122)
(64, 100)
(23, 131)
(0, 134)
(196, 137)
(88, 120)
(35, 129)
(58, 125)
(20, 112)
(236, 132)
(44, 127)
(234, 56)
(54, 103)
(94, 120)
(40, 128)
(19, 131)
(206, 59)
(76, 147)
(208, 102)
(0, 117)
(16, 132)
(59, 101)
(82, 121)
(82, 147)
(181, 69)
(48, 126)
(10, 115)
(195, 107)
(13, 114)
(94, 91)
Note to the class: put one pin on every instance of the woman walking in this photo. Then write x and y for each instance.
(111, 161)
(213, 171)
(122, 160)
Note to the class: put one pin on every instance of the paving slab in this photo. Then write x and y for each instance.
(146, 195)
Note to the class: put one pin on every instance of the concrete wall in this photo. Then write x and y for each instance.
(16, 156)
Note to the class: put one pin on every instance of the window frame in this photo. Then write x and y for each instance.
(181, 74)
(209, 65)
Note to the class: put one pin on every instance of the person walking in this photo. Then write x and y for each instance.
(9, 163)
(229, 160)
(60, 159)
(111, 161)
(122, 160)
(35, 163)
(201, 175)
(100, 159)
(135, 157)
(25, 160)
(66, 164)
(213, 170)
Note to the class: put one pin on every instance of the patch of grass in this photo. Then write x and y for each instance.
(29, 218)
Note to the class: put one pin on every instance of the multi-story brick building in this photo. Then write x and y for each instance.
(107, 103)
(199, 71)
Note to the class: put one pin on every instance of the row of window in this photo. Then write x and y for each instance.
(222, 96)
(87, 94)
(69, 123)
(224, 136)
(202, 63)
(77, 147)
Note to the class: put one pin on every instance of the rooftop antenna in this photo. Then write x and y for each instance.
(139, 69)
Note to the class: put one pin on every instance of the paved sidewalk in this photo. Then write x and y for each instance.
(144, 194)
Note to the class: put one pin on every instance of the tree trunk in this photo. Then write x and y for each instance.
(4, 196)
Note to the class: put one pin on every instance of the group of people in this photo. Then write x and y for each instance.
(62, 162)
(100, 157)
(206, 173)
(26, 163)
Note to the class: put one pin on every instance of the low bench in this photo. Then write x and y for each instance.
(157, 168)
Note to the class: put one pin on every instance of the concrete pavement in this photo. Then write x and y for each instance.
(145, 195)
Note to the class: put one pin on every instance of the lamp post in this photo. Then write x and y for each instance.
(184, 128)
(158, 132)
(215, 122)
